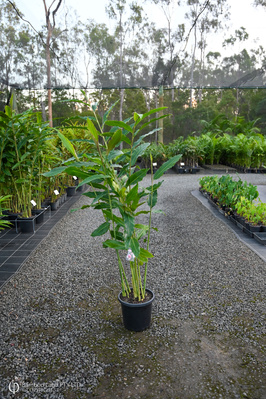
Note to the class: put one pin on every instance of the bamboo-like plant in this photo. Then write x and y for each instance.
(3, 201)
(115, 181)
(22, 157)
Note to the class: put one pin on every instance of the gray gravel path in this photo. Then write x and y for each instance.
(61, 329)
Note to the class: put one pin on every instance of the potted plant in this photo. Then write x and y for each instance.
(115, 182)
(3, 222)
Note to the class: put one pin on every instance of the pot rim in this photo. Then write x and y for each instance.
(134, 305)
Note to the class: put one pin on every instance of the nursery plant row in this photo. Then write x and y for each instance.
(238, 201)
(28, 149)
(236, 144)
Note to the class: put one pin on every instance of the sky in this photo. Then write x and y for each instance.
(242, 14)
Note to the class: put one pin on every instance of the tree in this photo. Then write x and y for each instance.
(125, 32)
(205, 17)
(50, 25)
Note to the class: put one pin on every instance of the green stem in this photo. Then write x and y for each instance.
(149, 230)
(124, 283)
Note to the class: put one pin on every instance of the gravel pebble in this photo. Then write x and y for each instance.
(61, 328)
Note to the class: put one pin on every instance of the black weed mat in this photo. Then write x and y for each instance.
(15, 247)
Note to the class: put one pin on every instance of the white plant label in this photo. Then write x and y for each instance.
(33, 203)
(182, 164)
(154, 164)
(56, 192)
(74, 177)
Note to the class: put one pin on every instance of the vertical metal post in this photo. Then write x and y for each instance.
(160, 132)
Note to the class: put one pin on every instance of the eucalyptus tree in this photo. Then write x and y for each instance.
(9, 23)
(31, 66)
(50, 13)
(169, 58)
(128, 20)
(101, 46)
(205, 18)
(260, 3)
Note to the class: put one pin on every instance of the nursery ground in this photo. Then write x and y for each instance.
(61, 328)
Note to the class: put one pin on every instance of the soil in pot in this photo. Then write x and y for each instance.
(136, 316)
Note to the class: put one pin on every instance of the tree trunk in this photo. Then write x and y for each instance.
(50, 27)
(49, 83)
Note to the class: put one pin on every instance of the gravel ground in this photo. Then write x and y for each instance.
(61, 327)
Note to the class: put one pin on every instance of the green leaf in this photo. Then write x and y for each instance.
(137, 177)
(158, 212)
(114, 244)
(152, 199)
(134, 245)
(74, 171)
(155, 110)
(114, 153)
(54, 171)
(153, 120)
(137, 116)
(136, 143)
(106, 114)
(91, 179)
(100, 196)
(144, 255)
(93, 131)
(129, 224)
(119, 124)
(126, 140)
(167, 165)
(101, 230)
(132, 194)
(115, 140)
(68, 145)
(138, 151)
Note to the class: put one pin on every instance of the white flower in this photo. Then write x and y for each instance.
(130, 256)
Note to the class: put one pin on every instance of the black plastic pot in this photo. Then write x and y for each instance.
(26, 225)
(39, 215)
(136, 316)
(71, 190)
(54, 205)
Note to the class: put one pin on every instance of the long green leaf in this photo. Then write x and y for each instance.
(153, 120)
(68, 145)
(167, 165)
(142, 116)
(106, 114)
(138, 151)
(144, 255)
(132, 194)
(101, 230)
(119, 124)
(93, 131)
(91, 179)
(115, 140)
(134, 245)
(74, 171)
(129, 224)
(55, 171)
(152, 199)
(114, 244)
(137, 177)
